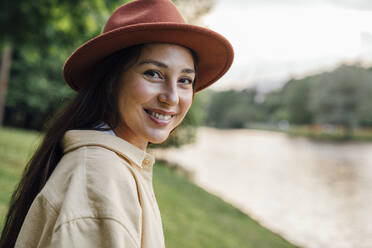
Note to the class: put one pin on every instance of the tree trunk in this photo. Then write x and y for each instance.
(4, 73)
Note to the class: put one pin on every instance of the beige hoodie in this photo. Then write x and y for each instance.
(99, 195)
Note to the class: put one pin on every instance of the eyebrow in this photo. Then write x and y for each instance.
(160, 64)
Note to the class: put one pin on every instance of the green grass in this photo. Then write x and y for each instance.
(16, 147)
(191, 216)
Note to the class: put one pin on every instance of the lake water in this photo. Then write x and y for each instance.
(314, 194)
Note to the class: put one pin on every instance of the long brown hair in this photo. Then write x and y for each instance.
(94, 104)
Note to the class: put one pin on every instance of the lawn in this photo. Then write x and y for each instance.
(191, 216)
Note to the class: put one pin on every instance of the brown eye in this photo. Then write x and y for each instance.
(186, 81)
(152, 74)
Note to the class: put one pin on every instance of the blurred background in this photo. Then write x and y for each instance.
(283, 139)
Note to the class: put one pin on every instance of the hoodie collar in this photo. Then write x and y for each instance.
(74, 139)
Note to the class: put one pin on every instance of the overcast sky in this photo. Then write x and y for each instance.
(278, 39)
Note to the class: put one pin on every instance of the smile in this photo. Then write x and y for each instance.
(159, 116)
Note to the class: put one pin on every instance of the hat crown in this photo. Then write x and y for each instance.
(143, 12)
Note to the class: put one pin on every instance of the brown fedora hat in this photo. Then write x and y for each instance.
(149, 21)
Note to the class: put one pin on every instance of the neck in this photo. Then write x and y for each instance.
(125, 135)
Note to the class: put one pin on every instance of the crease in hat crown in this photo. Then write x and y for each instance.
(150, 21)
(140, 12)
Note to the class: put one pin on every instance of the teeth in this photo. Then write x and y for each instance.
(160, 116)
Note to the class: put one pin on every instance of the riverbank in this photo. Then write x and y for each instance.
(325, 133)
(191, 216)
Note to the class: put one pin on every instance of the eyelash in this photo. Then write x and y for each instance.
(190, 81)
(151, 73)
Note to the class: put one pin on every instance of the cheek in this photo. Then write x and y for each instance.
(141, 92)
(186, 102)
(136, 92)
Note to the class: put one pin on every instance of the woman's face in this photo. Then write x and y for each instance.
(155, 94)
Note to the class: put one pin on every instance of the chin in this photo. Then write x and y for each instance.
(158, 139)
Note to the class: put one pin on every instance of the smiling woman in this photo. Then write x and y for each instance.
(89, 184)
(156, 93)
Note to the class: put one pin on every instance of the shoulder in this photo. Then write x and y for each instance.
(94, 182)
(101, 164)
(110, 179)
(94, 165)
(91, 199)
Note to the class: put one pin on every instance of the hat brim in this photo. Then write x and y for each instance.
(215, 53)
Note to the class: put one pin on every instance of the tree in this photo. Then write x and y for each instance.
(363, 77)
(335, 97)
(295, 98)
(39, 47)
(233, 109)
(273, 107)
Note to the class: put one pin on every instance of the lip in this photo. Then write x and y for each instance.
(157, 121)
(164, 112)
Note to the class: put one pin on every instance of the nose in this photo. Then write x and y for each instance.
(169, 95)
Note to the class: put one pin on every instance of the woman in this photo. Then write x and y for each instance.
(89, 184)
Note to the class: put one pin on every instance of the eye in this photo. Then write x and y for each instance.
(186, 80)
(152, 74)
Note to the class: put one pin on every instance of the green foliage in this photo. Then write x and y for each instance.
(233, 109)
(43, 34)
(36, 90)
(295, 97)
(334, 97)
(341, 98)
(40, 23)
(191, 217)
(273, 107)
(364, 100)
